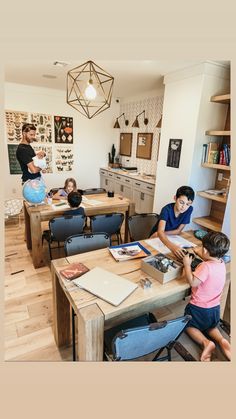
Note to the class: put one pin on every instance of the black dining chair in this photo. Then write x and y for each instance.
(143, 336)
(110, 223)
(141, 226)
(62, 227)
(82, 243)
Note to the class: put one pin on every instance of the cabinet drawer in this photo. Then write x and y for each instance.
(119, 178)
(103, 172)
(127, 181)
(110, 175)
(143, 186)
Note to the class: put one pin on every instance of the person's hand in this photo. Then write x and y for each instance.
(41, 154)
(153, 236)
(178, 251)
(187, 260)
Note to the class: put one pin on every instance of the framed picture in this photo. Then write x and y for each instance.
(174, 151)
(126, 144)
(144, 146)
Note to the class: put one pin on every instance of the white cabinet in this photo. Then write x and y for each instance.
(141, 193)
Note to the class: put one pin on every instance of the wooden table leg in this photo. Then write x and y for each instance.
(224, 295)
(36, 237)
(27, 229)
(61, 313)
(90, 333)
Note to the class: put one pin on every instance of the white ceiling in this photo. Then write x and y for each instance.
(131, 77)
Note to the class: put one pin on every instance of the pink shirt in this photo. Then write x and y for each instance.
(212, 275)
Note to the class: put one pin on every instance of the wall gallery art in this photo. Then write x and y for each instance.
(63, 128)
(64, 159)
(174, 151)
(14, 122)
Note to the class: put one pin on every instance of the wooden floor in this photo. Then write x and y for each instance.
(28, 306)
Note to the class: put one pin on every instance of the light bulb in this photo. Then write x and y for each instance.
(90, 91)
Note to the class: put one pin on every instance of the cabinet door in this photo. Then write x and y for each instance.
(103, 181)
(146, 203)
(137, 200)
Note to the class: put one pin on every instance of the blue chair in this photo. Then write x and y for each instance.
(82, 243)
(110, 223)
(60, 228)
(141, 226)
(143, 336)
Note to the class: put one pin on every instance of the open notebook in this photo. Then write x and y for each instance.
(106, 285)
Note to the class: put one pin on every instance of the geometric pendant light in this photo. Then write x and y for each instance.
(89, 89)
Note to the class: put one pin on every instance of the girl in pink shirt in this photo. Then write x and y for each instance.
(207, 284)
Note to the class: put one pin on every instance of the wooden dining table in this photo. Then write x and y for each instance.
(95, 204)
(95, 315)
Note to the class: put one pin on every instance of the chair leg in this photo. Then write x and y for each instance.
(73, 333)
(50, 251)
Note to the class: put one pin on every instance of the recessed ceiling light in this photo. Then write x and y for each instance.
(60, 63)
(49, 76)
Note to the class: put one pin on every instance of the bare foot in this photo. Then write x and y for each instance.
(226, 348)
(207, 352)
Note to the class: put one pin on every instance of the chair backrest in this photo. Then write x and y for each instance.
(82, 243)
(66, 225)
(12, 207)
(110, 223)
(93, 191)
(141, 225)
(140, 341)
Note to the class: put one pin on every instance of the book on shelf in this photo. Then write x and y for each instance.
(128, 251)
(216, 191)
(211, 151)
(204, 153)
(74, 270)
(213, 156)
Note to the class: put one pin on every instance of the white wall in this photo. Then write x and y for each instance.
(93, 138)
(187, 114)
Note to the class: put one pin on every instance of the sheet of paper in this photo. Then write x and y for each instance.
(178, 240)
(62, 206)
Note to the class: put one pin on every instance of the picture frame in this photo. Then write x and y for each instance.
(144, 146)
(174, 152)
(126, 143)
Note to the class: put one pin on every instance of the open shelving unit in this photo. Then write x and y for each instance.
(214, 220)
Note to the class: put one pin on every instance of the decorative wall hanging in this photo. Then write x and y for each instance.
(48, 151)
(63, 127)
(144, 146)
(126, 144)
(43, 124)
(14, 165)
(64, 159)
(14, 122)
(89, 89)
(174, 151)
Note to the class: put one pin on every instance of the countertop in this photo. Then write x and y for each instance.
(133, 175)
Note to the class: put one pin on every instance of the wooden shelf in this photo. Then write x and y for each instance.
(221, 98)
(218, 198)
(218, 133)
(208, 222)
(216, 166)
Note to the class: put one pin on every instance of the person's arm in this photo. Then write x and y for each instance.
(59, 195)
(163, 235)
(192, 280)
(33, 168)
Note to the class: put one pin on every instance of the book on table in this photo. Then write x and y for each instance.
(74, 270)
(128, 251)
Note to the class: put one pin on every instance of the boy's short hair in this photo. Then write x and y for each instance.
(74, 199)
(28, 127)
(216, 243)
(186, 191)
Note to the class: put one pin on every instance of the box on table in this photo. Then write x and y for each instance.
(152, 265)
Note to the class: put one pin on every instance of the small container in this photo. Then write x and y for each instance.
(110, 194)
(49, 199)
